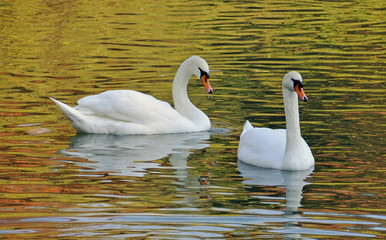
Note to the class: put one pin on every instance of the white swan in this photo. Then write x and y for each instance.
(126, 112)
(283, 149)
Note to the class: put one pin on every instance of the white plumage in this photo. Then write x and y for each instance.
(125, 112)
(283, 149)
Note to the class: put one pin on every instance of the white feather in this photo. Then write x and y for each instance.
(125, 112)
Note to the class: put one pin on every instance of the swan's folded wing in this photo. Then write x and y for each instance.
(263, 147)
(247, 126)
(128, 106)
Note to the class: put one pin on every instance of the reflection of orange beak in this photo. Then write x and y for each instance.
(206, 83)
(301, 93)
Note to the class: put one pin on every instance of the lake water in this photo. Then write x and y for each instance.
(55, 183)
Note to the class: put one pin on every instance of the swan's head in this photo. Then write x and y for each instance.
(200, 68)
(293, 81)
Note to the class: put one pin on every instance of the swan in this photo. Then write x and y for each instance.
(128, 112)
(283, 149)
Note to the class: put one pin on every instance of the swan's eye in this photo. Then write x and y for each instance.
(297, 83)
(203, 73)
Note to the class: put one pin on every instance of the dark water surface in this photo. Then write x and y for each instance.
(55, 183)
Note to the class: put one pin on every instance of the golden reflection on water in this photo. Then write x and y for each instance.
(71, 49)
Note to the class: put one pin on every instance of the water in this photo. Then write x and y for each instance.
(56, 183)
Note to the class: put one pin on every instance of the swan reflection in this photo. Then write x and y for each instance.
(292, 180)
(131, 155)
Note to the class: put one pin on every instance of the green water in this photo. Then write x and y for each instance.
(57, 184)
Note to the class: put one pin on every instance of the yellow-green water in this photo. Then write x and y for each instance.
(58, 184)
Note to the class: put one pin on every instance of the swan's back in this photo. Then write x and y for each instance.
(124, 112)
(262, 147)
(125, 105)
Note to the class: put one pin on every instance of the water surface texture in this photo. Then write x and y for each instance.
(55, 183)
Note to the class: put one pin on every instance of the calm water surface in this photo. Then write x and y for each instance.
(56, 183)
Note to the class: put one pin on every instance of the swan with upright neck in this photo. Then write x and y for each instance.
(283, 149)
(128, 112)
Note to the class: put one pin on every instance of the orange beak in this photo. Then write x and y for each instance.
(206, 83)
(301, 94)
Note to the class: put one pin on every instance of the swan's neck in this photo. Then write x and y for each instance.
(291, 109)
(182, 104)
(297, 154)
(294, 146)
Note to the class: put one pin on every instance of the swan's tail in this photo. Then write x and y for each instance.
(75, 117)
(247, 126)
